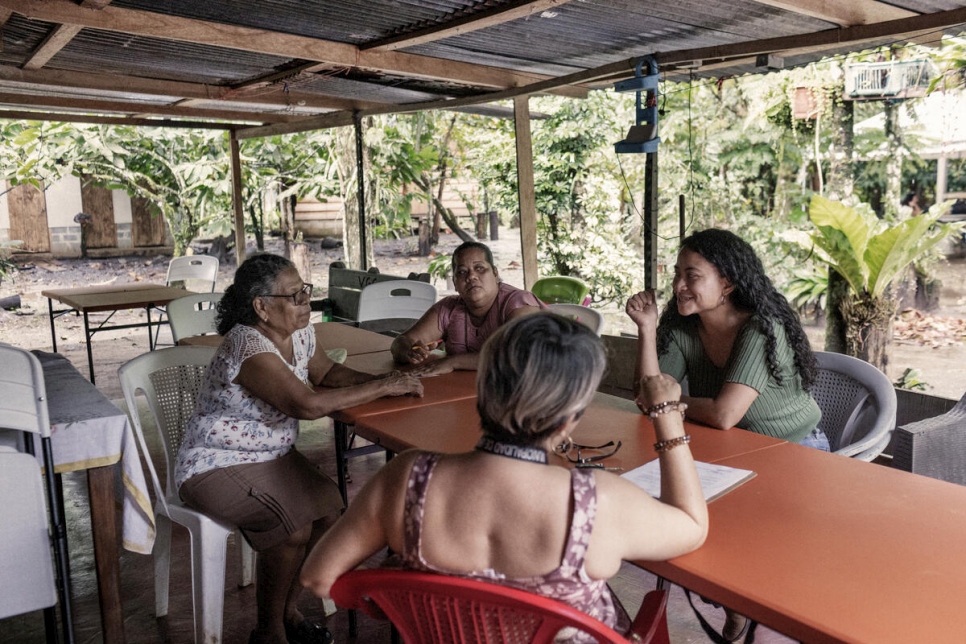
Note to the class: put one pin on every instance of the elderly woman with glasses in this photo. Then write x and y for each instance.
(238, 463)
(505, 512)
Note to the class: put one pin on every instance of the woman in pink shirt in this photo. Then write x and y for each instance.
(463, 322)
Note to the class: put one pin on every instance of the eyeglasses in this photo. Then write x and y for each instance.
(299, 297)
(566, 449)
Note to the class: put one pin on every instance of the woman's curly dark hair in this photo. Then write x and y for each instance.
(256, 276)
(753, 291)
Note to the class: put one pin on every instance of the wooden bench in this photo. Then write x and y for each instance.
(345, 287)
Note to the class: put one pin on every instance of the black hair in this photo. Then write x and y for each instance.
(472, 245)
(255, 277)
(753, 291)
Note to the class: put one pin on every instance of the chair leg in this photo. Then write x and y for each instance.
(209, 548)
(50, 625)
(162, 563)
(247, 561)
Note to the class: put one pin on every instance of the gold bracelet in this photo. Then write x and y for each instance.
(665, 407)
(671, 443)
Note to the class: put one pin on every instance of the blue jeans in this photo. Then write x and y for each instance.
(816, 439)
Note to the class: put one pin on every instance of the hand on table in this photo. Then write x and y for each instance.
(434, 367)
(402, 384)
(420, 353)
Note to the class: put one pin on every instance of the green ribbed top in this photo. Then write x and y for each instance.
(784, 410)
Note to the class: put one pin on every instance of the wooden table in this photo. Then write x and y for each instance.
(829, 549)
(109, 298)
(88, 433)
(328, 335)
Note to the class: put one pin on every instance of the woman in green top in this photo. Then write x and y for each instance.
(740, 345)
(735, 338)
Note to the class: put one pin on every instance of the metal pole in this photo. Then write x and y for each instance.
(650, 221)
(361, 193)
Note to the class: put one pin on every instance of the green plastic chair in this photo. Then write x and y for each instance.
(560, 289)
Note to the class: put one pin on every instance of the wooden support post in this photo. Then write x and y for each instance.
(525, 191)
(650, 221)
(424, 245)
(236, 197)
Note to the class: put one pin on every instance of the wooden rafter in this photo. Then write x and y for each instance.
(66, 117)
(829, 39)
(140, 110)
(845, 13)
(463, 24)
(59, 37)
(278, 98)
(154, 25)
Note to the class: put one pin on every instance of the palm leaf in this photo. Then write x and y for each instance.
(895, 248)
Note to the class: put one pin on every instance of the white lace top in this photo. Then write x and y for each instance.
(230, 426)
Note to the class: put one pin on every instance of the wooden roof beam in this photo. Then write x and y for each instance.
(66, 117)
(151, 87)
(463, 24)
(154, 25)
(830, 38)
(59, 37)
(845, 13)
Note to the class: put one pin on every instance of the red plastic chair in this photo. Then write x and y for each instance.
(426, 607)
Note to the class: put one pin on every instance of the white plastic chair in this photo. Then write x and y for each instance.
(170, 380)
(395, 299)
(858, 405)
(195, 273)
(187, 319)
(590, 318)
(27, 581)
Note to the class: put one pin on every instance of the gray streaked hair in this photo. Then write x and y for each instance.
(535, 373)
(254, 278)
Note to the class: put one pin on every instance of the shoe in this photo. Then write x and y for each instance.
(308, 633)
(735, 626)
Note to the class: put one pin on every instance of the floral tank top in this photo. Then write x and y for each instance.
(569, 583)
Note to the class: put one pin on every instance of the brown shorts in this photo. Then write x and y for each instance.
(267, 501)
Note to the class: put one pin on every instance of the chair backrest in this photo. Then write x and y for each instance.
(26, 571)
(934, 447)
(427, 607)
(187, 319)
(395, 299)
(560, 289)
(170, 380)
(858, 405)
(590, 318)
(346, 284)
(22, 392)
(201, 270)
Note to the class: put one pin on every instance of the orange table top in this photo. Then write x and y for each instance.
(328, 335)
(458, 385)
(112, 297)
(454, 426)
(825, 548)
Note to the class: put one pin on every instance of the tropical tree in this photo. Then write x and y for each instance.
(869, 254)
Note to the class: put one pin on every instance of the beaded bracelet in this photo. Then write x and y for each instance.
(671, 443)
(665, 407)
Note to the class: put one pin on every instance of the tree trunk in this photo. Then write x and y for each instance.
(893, 192)
(838, 293)
(869, 329)
(841, 172)
(300, 257)
(352, 222)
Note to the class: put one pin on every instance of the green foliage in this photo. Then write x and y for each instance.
(7, 266)
(868, 252)
(911, 380)
(440, 266)
(808, 289)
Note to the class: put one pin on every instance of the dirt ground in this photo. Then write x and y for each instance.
(933, 343)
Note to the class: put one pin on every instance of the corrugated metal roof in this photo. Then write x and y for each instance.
(314, 56)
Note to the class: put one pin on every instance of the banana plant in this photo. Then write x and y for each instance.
(870, 254)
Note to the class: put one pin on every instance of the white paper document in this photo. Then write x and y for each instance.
(716, 480)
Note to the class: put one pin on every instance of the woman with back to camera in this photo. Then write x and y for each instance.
(463, 322)
(504, 513)
(238, 463)
(741, 346)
